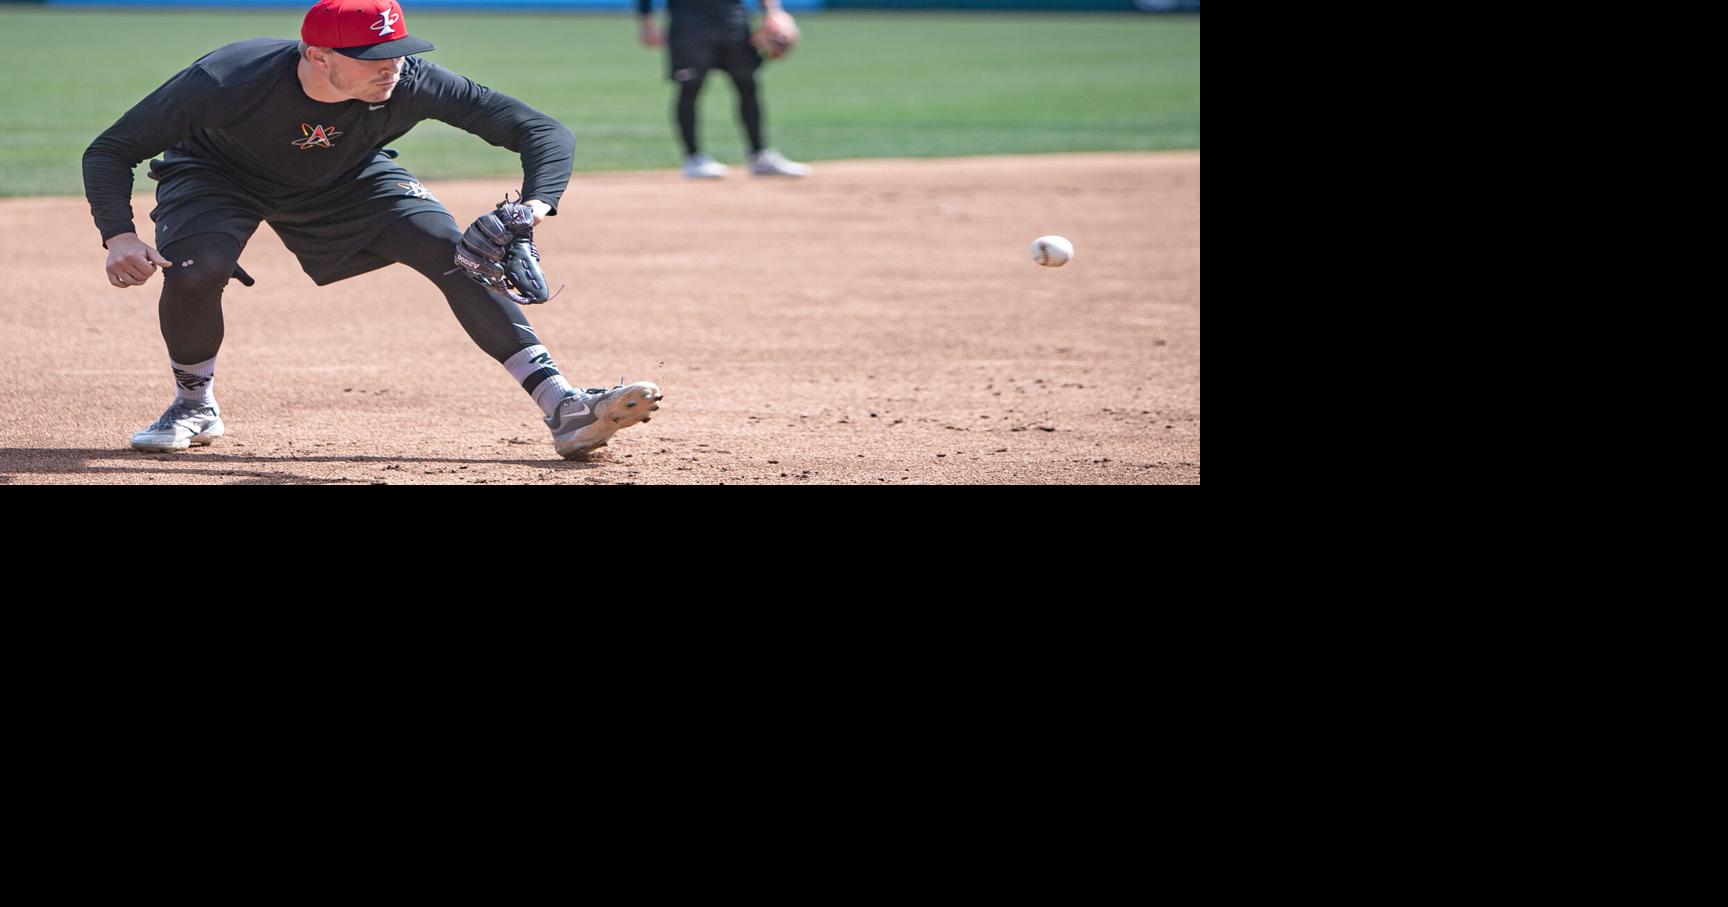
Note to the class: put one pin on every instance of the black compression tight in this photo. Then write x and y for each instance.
(427, 242)
(685, 110)
(749, 110)
(190, 309)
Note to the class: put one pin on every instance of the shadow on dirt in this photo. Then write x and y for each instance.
(59, 465)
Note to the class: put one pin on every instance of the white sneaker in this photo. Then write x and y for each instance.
(703, 167)
(768, 162)
(180, 427)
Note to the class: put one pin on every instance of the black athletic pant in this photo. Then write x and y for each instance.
(749, 110)
(190, 310)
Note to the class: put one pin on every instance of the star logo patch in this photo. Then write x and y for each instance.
(316, 137)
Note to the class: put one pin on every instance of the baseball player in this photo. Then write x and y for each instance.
(708, 34)
(294, 133)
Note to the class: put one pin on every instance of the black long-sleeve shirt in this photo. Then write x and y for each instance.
(241, 110)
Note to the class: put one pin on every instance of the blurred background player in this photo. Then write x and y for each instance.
(715, 34)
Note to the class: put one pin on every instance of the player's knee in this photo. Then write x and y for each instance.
(202, 265)
(198, 278)
(425, 242)
(429, 227)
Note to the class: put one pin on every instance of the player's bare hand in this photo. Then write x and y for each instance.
(540, 209)
(132, 261)
(651, 36)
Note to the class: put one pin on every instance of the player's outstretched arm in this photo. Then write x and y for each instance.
(547, 147)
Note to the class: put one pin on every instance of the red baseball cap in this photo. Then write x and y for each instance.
(362, 29)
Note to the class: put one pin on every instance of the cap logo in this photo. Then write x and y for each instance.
(360, 29)
(386, 22)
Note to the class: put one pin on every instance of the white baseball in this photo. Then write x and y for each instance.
(1052, 251)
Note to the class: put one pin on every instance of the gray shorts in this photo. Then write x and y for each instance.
(694, 51)
(327, 232)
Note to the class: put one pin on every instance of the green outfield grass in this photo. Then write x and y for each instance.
(861, 85)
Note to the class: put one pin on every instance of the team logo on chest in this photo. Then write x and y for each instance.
(316, 137)
(386, 22)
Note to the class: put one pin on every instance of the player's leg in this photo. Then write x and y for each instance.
(190, 310)
(684, 105)
(389, 217)
(190, 314)
(691, 54)
(202, 225)
(426, 242)
(749, 109)
(579, 419)
(741, 62)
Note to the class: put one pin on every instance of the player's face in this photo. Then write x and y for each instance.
(364, 80)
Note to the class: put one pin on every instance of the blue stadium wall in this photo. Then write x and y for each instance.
(1150, 6)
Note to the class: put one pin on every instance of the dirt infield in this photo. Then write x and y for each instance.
(878, 323)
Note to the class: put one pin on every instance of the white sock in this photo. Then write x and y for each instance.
(192, 383)
(533, 368)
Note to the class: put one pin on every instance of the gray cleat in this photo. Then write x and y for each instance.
(587, 419)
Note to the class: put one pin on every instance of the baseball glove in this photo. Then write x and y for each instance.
(498, 251)
(776, 36)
